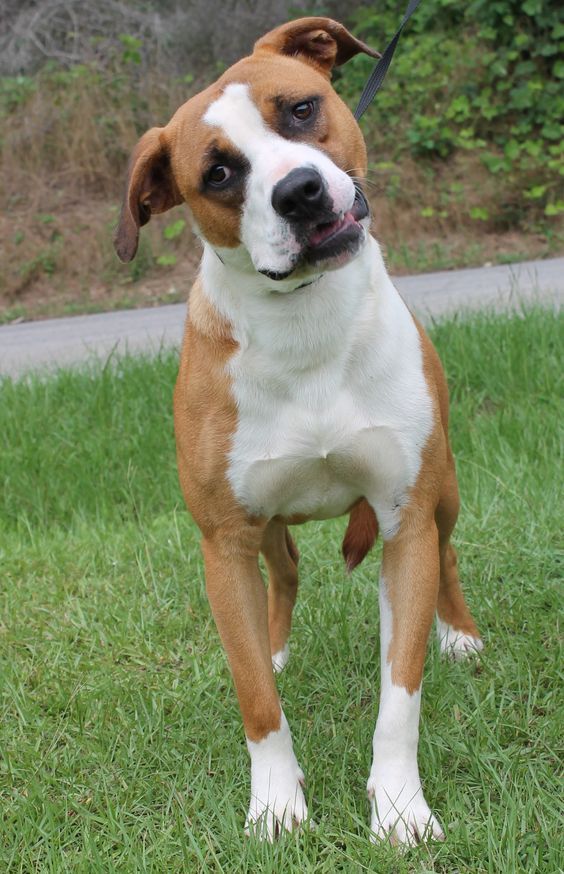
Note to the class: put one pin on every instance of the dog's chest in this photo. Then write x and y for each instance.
(310, 443)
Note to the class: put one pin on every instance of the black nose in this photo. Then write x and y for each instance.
(301, 195)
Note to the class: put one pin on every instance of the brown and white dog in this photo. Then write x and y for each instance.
(306, 390)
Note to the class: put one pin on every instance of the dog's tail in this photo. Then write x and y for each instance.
(360, 535)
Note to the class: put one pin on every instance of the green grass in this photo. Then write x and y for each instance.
(121, 748)
(425, 256)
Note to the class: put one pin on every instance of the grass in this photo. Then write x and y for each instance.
(430, 255)
(62, 309)
(121, 748)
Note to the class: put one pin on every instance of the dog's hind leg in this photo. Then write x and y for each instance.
(238, 601)
(456, 629)
(281, 558)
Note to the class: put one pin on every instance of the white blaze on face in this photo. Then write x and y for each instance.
(269, 239)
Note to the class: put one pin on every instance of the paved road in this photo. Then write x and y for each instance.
(59, 342)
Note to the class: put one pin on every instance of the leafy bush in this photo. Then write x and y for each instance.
(483, 77)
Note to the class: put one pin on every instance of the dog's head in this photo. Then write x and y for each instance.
(268, 160)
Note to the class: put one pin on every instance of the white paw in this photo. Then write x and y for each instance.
(280, 659)
(400, 814)
(457, 644)
(277, 798)
(279, 807)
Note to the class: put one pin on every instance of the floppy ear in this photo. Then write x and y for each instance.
(150, 188)
(322, 41)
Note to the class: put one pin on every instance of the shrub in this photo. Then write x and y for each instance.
(483, 77)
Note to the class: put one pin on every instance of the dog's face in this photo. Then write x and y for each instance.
(267, 159)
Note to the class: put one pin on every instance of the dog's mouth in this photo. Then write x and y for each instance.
(340, 236)
(334, 240)
(325, 231)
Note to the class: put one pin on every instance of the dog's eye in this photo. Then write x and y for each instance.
(303, 111)
(218, 175)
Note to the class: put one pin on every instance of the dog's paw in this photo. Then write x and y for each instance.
(400, 814)
(280, 659)
(276, 806)
(277, 797)
(456, 644)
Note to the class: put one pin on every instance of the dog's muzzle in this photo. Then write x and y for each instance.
(301, 198)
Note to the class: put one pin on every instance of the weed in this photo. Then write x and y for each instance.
(143, 261)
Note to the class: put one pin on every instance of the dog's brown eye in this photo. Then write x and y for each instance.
(303, 111)
(219, 174)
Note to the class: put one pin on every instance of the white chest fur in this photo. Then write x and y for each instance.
(332, 400)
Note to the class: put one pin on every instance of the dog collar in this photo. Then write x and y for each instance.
(299, 287)
(310, 282)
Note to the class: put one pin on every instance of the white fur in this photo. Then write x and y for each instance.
(332, 405)
(280, 659)
(455, 643)
(332, 400)
(399, 810)
(277, 798)
(265, 235)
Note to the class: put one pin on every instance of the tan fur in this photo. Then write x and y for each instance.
(451, 606)
(321, 42)
(205, 416)
(281, 558)
(151, 188)
(419, 564)
(176, 154)
(360, 535)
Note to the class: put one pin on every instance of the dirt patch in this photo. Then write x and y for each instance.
(57, 256)
(63, 262)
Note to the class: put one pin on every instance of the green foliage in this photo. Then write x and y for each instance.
(478, 213)
(143, 261)
(45, 262)
(131, 53)
(15, 91)
(482, 76)
(167, 260)
(554, 208)
(174, 229)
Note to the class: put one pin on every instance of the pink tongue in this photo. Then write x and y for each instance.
(323, 231)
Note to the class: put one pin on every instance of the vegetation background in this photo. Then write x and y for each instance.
(120, 741)
(465, 139)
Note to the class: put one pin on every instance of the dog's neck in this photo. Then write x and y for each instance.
(313, 321)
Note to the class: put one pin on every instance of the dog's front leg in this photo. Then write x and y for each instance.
(408, 596)
(239, 604)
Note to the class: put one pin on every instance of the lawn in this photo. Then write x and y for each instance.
(121, 748)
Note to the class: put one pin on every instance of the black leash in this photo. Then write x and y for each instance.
(379, 72)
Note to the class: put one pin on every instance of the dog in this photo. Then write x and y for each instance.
(306, 390)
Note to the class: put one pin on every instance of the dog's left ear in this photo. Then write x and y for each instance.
(150, 189)
(321, 41)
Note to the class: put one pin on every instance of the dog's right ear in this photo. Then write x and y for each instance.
(150, 188)
(320, 41)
